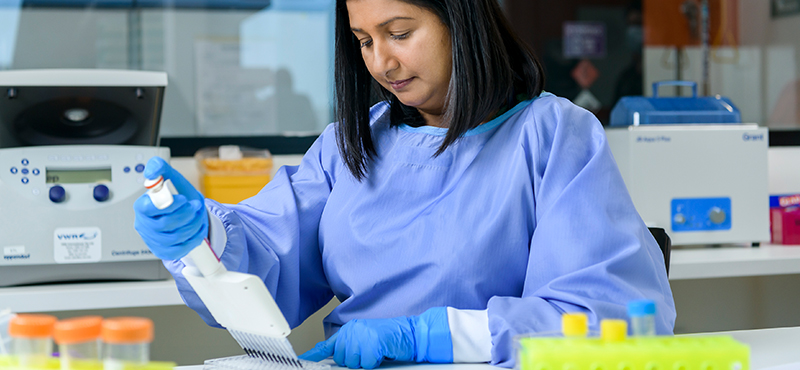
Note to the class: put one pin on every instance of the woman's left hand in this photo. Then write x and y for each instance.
(365, 343)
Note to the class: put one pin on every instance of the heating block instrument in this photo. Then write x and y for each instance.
(704, 184)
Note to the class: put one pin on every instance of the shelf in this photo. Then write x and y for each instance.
(702, 263)
(66, 297)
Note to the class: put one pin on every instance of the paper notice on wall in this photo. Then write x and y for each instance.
(231, 100)
(111, 45)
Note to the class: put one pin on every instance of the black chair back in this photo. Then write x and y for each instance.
(664, 242)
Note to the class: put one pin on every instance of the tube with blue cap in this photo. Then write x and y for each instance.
(642, 314)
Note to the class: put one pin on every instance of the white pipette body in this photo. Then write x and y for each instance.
(202, 256)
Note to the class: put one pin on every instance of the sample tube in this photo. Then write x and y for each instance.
(642, 314)
(32, 339)
(575, 325)
(126, 340)
(612, 330)
(78, 340)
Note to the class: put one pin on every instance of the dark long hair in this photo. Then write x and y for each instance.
(491, 65)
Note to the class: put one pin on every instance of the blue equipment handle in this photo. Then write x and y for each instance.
(693, 84)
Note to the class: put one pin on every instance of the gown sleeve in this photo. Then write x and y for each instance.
(274, 235)
(590, 251)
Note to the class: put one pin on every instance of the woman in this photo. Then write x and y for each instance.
(466, 209)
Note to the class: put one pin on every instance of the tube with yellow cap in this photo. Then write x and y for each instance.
(613, 330)
(126, 340)
(78, 340)
(574, 325)
(32, 339)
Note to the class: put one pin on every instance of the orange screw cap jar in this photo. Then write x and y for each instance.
(126, 339)
(32, 338)
(78, 339)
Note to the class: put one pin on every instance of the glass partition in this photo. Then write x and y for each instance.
(261, 68)
(235, 67)
(746, 50)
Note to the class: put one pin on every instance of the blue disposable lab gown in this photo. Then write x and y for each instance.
(526, 216)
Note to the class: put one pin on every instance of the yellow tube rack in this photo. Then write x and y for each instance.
(645, 353)
(53, 363)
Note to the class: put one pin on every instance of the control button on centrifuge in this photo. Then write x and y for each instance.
(35, 172)
(24, 180)
(679, 219)
(717, 215)
(139, 168)
(25, 162)
(14, 170)
(24, 171)
(101, 193)
(58, 194)
(126, 169)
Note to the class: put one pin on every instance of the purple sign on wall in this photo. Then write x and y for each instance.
(584, 40)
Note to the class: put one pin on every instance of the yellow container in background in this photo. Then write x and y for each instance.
(229, 174)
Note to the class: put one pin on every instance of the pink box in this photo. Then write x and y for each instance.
(784, 217)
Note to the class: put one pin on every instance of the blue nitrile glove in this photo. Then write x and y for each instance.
(172, 232)
(367, 342)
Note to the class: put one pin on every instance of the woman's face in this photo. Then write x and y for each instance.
(406, 49)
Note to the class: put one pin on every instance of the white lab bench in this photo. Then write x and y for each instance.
(774, 349)
(699, 278)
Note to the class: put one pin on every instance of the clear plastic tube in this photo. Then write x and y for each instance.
(89, 350)
(127, 352)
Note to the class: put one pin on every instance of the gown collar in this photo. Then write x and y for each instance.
(488, 126)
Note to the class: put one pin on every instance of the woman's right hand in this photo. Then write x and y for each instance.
(171, 233)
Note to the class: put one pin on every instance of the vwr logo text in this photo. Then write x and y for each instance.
(81, 236)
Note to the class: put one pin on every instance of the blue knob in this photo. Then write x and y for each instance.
(58, 194)
(101, 193)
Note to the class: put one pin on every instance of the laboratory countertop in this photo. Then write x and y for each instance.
(770, 349)
(697, 263)
(734, 261)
